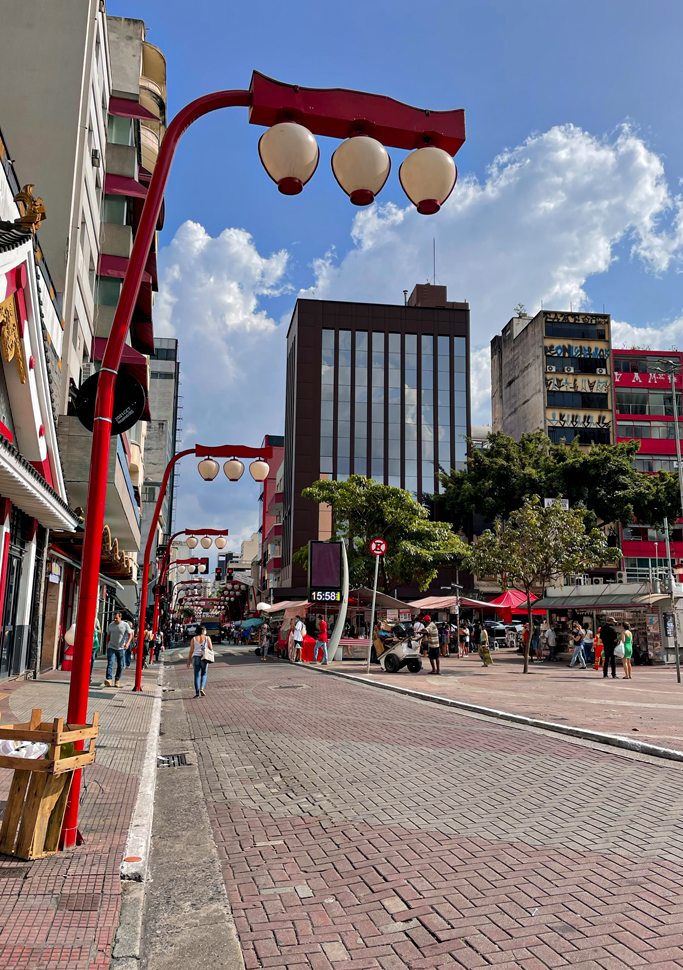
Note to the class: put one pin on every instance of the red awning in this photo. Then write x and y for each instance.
(133, 362)
(511, 599)
(142, 336)
(145, 178)
(117, 266)
(125, 108)
(120, 185)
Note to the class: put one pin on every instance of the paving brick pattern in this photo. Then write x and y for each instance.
(360, 829)
(62, 912)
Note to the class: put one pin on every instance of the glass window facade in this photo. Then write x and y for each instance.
(360, 432)
(327, 403)
(427, 411)
(377, 407)
(393, 406)
(344, 406)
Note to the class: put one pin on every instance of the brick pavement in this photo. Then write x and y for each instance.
(62, 912)
(369, 831)
(647, 708)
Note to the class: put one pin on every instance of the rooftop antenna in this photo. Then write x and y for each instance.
(405, 298)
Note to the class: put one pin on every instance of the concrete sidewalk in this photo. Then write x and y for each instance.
(62, 912)
(647, 708)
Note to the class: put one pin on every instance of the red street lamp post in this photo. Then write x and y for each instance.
(163, 569)
(208, 469)
(292, 115)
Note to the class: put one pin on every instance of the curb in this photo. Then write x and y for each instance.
(127, 949)
(613, 740)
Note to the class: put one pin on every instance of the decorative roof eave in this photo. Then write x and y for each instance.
(13, 235)
(27, 489)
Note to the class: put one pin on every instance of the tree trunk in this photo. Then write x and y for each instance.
(527, 646)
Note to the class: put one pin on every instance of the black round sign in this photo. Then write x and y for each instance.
(129, 402)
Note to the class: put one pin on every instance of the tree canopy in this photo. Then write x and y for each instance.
(363, 510)
(536, 546)
(602, 479)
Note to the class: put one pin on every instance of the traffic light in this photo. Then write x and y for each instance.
(229, 574)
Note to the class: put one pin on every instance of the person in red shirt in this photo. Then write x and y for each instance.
(321, 643)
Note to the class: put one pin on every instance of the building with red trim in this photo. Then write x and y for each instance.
(643, 406)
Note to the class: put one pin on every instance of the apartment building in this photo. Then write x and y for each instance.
(551, 372)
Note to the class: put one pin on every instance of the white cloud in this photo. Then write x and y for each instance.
(547, 217)
(231, 353)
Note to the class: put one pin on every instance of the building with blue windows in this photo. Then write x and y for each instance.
(378, 390)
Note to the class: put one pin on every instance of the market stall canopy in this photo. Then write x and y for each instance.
(363, 596)
(509, 602)
(605, 597)
(247, 624)
(287, 605)
(444, 602)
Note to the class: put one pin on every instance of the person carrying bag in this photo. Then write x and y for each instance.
(200, 656)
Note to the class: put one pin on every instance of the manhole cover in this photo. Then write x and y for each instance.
(16, 872)
(290, 687)
(171, 760)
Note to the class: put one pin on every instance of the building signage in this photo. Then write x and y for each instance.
(563, 419)
(654, 636)
(129, 402)
(590, 385)
(581, 319)
(635, 380)
(577, 350)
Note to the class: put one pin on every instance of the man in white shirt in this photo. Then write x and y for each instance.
(299, 630)
(418, 632)
(551, 640)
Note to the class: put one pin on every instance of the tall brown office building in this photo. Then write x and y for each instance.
(376, 390)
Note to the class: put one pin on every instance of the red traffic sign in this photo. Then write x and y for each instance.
(378, 547)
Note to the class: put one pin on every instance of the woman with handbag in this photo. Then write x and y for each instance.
(201, 655)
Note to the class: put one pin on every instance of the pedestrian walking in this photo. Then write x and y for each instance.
(588, 641)
(200, 656)
(483, 646)
(419, 634)
(577, 640)
(536, 647)
(627, 640)
(299, 631)
(264, 642)
(444, 638)
(95, 645)
(158, 643)
(291, 642)
(551, 640)
(321, 642)
(431, 635)
(147, 648)
(119, 636)
(610, 638)
(462, 633)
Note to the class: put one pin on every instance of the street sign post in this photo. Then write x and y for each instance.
(377, 547)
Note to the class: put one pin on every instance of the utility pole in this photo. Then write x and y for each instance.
(673, 603)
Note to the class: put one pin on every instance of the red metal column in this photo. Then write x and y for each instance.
(99, 460)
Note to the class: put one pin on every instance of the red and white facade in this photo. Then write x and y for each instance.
(643, 406)
(33, 496)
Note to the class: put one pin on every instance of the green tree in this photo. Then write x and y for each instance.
(536, 546)
(603, 479)
(363, 510)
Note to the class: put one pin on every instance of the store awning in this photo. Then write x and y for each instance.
(288, 605)
(446, 602)
(620, 596)
(27, 489)
(132, 361)
(125, 108)
(363, 597)
(120, 185)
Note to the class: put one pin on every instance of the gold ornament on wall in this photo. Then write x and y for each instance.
(34, 209)
(10, 338)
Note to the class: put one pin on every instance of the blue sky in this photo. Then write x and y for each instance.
(585, 213)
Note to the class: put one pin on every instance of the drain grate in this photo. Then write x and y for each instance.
(16, 872)
(171, 760)
(290, 687)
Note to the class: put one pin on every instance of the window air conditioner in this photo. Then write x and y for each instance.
(601, 370)
(569, 370)
(551, 368)
(621, 577)
(596, 581)
(95, 158)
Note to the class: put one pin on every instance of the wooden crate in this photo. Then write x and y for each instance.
(32, 822)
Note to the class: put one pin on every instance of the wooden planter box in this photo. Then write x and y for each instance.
(35, 808)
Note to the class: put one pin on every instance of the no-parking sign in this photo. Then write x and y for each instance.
(378, 547)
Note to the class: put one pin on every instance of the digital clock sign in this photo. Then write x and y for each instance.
(324, 596)
(324, 572)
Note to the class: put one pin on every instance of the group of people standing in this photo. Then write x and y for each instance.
(607, 646)
(120, 648)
